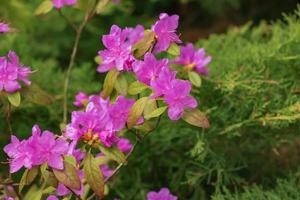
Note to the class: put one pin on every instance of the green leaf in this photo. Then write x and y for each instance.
(195, 78)
(146, 127)
(86, 5)
(14, 98)
(101, 6)
(151, 105)
(34, 193)
(71, 160)
(28, 177)
(45, 7)
(113, 153)
(156, 113)
(136, 112)
(174, 49)
(144, 45)
(196, 117)
(93, 175)
(121, 85)
(109, 83)
(43, 169)
(98, 60)
(68, 176)
(49, 190)
(136, 88)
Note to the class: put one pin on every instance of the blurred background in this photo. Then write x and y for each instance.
(252, 150)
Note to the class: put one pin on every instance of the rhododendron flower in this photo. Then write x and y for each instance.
(178, 98)
(61, 3)
(4, 28)
(118, 45)
(62, 190)
(11, 72)
(38, 149)
(165, 30)
(163, 83)
(192, 59)
(20, 154)
(100, 120)
(149, 69)
(124, 145)
(81, 100)
(47, 148)
(163, 194)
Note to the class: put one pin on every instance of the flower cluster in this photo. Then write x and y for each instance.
(4, 28)
(100, 120)
(11, 72)
(40, 148)
(61, 3)
(155, 73)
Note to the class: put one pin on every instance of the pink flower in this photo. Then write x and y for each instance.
(38, 149)
(11, 72)
(178, 98)
(149, 69)
(108, 138)
(61, 3)
(118, 45)
(165, 30)
(63, 190)
(47, 148)
(20, 154)
(81, 100)
(124, 145)
(163, 194)
(163, 83)
(100, 120)
(4, 28)
(196, 60)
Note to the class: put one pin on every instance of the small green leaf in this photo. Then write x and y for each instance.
(14, 98)
(49, 190)
(144, 45)
(109, 83)
(136, 88)
(113, 153)
(174, 49)
(156, 113)
(146, 127)
(195, 79)
(151, 105)
(45, 7)
(93, 175)
(136, 112)
(98, 60)
(43, 169)
(121, 85)
(28, 177)
(196, 117)
(71, 160)
(34, 193)
(101, 6)
(68, 176)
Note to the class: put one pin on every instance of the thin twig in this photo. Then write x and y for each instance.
(70, 67)
(8, 117)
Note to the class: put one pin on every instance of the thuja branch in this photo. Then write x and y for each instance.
(70, 67)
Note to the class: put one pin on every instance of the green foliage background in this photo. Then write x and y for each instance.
(252, 98)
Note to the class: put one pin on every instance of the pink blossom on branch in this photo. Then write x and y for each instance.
(118, 44)
(193, 59)
(61, 3)
(165, 30)
(11, 72)
(40, 148)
